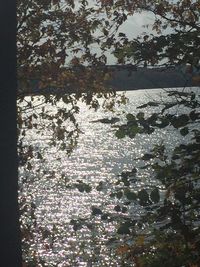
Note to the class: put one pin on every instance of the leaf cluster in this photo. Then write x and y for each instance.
(171, 211)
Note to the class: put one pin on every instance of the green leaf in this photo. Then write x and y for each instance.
(143, 106)
(149, 104)
(143, 197)
(65, 99)
(112, 194)
(120, 134)
(125, 180)
(117, 208)
(119, 194)
(35, 116)
(99, 186)
(39, 155)
(180, 121)
(76, 224)
(104, 216)
(83, 187)
(29, 166)
(184, 131)
(193, 115)
(133, 130)
(121, 34)
(124, 175)
(88, 188)
(147, 156)
(105, 31)
(155, 195)
(96, 211)
(124, 209)
(130, 195)
(130, 117)
(123, 230)
(140, 116)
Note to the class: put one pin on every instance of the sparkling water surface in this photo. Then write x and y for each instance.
(98, 157)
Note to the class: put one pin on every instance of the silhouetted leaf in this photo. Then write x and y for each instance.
(143, 197)
(147, 156)
(96, 211)
(82, 187)
(149, 104)
(125, 180)
(184, 131)
(124, 209)
(39, 155)
(29, 166)
(130, 195)
(99, 186)
(180, 121)
(117, 208)
(123, 229)
(104, 216)
(119, 194)
(194, 115)
(77, 225)
(155, 195)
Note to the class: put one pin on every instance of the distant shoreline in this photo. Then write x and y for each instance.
(129, 79)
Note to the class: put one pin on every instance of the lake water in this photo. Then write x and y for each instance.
(50, 201)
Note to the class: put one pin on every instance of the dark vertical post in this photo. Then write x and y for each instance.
(10, 245)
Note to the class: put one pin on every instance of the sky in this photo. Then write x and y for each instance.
(135, 24)
(133, 27)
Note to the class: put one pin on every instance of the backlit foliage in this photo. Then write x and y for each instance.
(56, 58)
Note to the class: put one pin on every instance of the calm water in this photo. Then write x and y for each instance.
(49, 196)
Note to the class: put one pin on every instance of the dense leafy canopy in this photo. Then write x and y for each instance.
(175, 39)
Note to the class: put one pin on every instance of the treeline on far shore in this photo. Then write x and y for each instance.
(129, 77)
